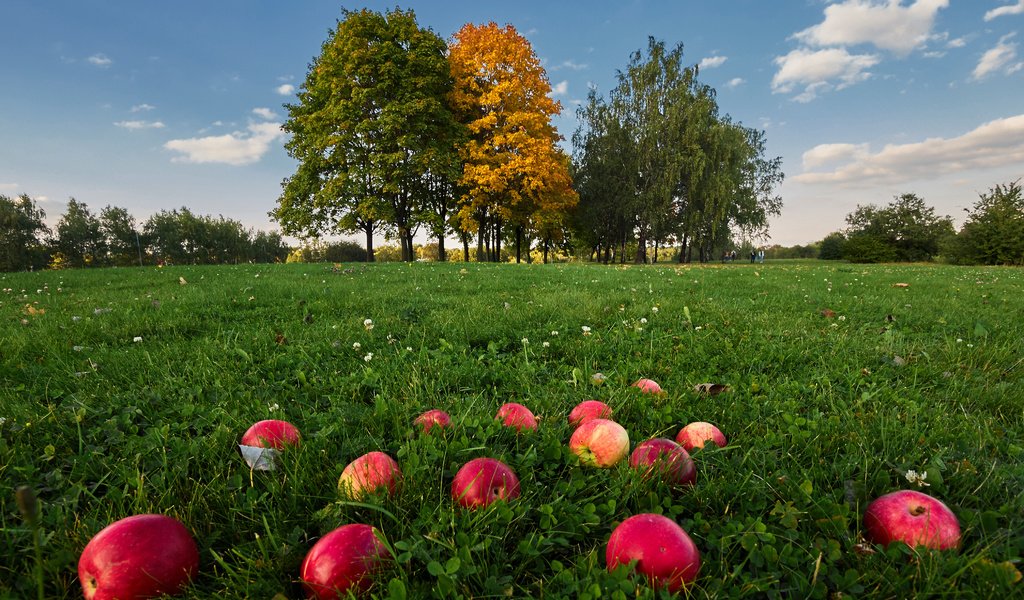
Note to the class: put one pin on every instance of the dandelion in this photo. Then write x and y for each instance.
(917, 479)
(368, 324)
(368, 357)
(356, 345)
(586, 330)
(137, 339)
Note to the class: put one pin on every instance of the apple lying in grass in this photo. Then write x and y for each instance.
(368, 474)
(648, 386)
(516, 415)
(481, 481)
(600, 443)
(913, 518)
(589, 410)
(261, 442)
(666, 459)
(661, 548)
(343, 560)
(143, 556)
(433, 418)
(696, 434)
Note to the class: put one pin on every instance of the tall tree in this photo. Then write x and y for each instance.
(510, 159)
(371, 130)
(994, 231)
(120, 236)
(22, 228)
(905, 230)
(78, 236)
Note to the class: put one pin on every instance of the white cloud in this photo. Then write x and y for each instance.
(264, 113)
(817, 71)
(887, 25)
(560, 89)
(735, 82)
(1002, 11)
(100, 60)
(571, 65)
(8, 186)
(711, 62)
(285, 89)
(994, 144)
(237, 148)
(137, 125)
(142, 107)
(999, 58)
(956, 43)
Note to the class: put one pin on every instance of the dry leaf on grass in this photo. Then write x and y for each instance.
(901, 285)
(711, 389)
(828, 313)
(182, 281)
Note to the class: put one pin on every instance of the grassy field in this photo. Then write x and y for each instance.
(126, 391)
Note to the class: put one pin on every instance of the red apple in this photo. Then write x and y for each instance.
(271, 434)
(143, 556)
(913, 518)
(344, 559)
(648, 386)
(481, 481)
(665, 458)
(661, 548)
(589, 410)
(433, 418)
(600, 443)
(368, 474)
(696, 434)
(516, 415)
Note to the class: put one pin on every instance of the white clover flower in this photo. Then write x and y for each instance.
(368, 324)
(643, 320)
(356, 345)
(2, 420)
(698, 328)
(586, 330)
(137, 339)
(408, 348)
(273, 407)
(842, 317)
(368, 357)
(546, 344)
(654, 309)
(959, 340)
(917, 479)
(526, 341)
(554, 333)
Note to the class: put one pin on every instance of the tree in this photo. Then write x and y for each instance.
(994, 231)
(831, 248)
(120, 236)
(512, 168)
(78, 237)
(22, 228)
(906, 226)
(372, 132)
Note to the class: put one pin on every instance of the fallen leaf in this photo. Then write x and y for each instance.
(901, 285)
(33, 311)
(828, 313)
(863, 549)
(181, 280)
(280, 339)
(899, 361)
(711, 389)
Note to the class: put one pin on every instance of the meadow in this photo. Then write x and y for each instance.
(126, 391)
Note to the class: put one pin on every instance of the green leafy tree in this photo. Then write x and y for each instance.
(372, 132)
(994, 231)
(78, 237)
(907, 226)
(831, 248)
(22, 231)
(120, 236)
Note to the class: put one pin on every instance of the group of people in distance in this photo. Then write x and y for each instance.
(756, 256)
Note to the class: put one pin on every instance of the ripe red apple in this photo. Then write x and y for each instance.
(516, 415)
(433, 418)
(143, 556)
(344, 559)
(661, 548)
(648, 386)
(481, 481)
(600, 443)
(665, 458)
(913, 518)
(589, 410)
(696, 434)
(368, 474)
(271, 434)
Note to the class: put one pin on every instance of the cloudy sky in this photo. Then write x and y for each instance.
(156, 106)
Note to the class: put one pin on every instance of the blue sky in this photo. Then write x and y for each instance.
(154, 106)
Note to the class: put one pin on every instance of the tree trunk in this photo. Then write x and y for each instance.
(408, 243)
(465, 246)
(441, 255)
(369, 242)
(480, 243)
(497, 241)
(655, 259)
(641, 247)
(519, 243)
(545, 251)
(682, 249)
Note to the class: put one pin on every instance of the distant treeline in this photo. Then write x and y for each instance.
(83, 238)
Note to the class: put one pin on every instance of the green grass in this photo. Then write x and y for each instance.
(824, 414)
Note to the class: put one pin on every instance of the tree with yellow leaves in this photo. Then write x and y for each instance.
(513, 172)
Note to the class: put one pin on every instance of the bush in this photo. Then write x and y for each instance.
(832, 247)
(868, 249)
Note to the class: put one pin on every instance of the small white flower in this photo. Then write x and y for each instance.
(842, 317)
(356, 345)
(273, 407)
(586, 330)
(2, 420)
(368, 324)
(554, 333)
(959, 340)
(137, 339)
(76, 319)
(546, 344)
(654, 309)
(970, 345)
(917, 479)
(368, 357)
(643, 320)
(698, 328)
(78, 348)
(408, 348)
(526, 341)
